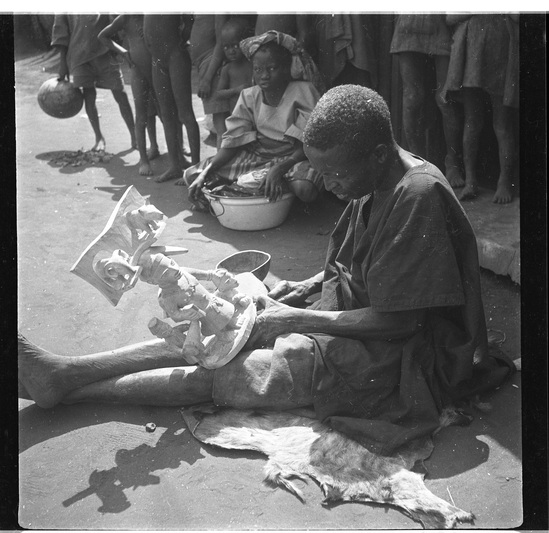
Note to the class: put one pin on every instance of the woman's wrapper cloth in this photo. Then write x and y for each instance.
(410, 247)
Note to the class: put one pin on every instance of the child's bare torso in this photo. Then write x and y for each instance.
(240, 73)
(139, 53)
(162, 35)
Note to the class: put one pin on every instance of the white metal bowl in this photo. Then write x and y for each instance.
(250, 213)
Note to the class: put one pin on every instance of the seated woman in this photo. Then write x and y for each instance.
(263, 137)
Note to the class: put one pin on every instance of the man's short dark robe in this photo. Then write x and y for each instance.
(410, 247)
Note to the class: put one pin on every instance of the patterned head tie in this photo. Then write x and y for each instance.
(303, 67)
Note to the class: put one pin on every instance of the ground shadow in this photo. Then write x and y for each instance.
(459, 449)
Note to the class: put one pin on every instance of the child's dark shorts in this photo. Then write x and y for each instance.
(102, 72)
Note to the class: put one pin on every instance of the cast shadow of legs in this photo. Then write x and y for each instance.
(134, 469)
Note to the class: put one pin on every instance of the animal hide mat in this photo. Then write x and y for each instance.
(299, 446)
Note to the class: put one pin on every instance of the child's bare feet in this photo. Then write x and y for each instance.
(99, 145)
(153, 153)
(469, 192)
(37, 370)
(504, 193)
(145, 169)
(454, 175)
(170, 174)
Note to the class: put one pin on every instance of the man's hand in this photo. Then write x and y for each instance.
(273, 319)
(291, 292)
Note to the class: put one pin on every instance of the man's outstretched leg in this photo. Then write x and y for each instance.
(125, 375)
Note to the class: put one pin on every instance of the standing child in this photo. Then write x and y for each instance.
(139, 59)
(484, 59)
(91, 65)
(166, 39)
(235, 75)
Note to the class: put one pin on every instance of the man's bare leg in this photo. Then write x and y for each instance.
(50, 379)
(91, 110)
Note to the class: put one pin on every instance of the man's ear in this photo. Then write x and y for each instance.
(381, 153)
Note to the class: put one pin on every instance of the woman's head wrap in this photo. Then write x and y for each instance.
(303, 67)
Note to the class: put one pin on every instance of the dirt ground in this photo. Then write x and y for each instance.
(95, 466)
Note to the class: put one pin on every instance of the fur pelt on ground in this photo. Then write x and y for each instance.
(299, 446)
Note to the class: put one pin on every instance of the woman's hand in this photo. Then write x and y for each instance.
(292, 292)
(196, 186)
(273, 184)
(273, 319)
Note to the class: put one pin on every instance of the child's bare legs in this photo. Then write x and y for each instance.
(473, 105)
(180, 78)
(220, 126)
(153, 152)
(168, 112)
(452, 123)
(412, 67)
(126, 111)
(91, 110)
(140, 90)
(507, 149)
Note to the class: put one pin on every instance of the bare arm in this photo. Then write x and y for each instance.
(223, 156)
(106, 36)
(274, 177)
(63, 65)
(363, 324)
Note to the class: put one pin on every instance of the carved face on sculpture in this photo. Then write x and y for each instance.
(116, 270)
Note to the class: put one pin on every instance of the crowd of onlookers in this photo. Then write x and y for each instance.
(473, 56)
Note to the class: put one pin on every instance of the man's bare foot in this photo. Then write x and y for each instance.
(153, 153)
(170, 174)
(503, 195)
(469, 192)
(99, 145)
(145, 169)
(37, 370)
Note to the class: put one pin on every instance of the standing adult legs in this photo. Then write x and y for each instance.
(473, 106)
(126, 111)
(140, 90)
(180, 79)
(90, 95)
(170, 120)
(452, 123)
(503, 122)
(412, 71)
